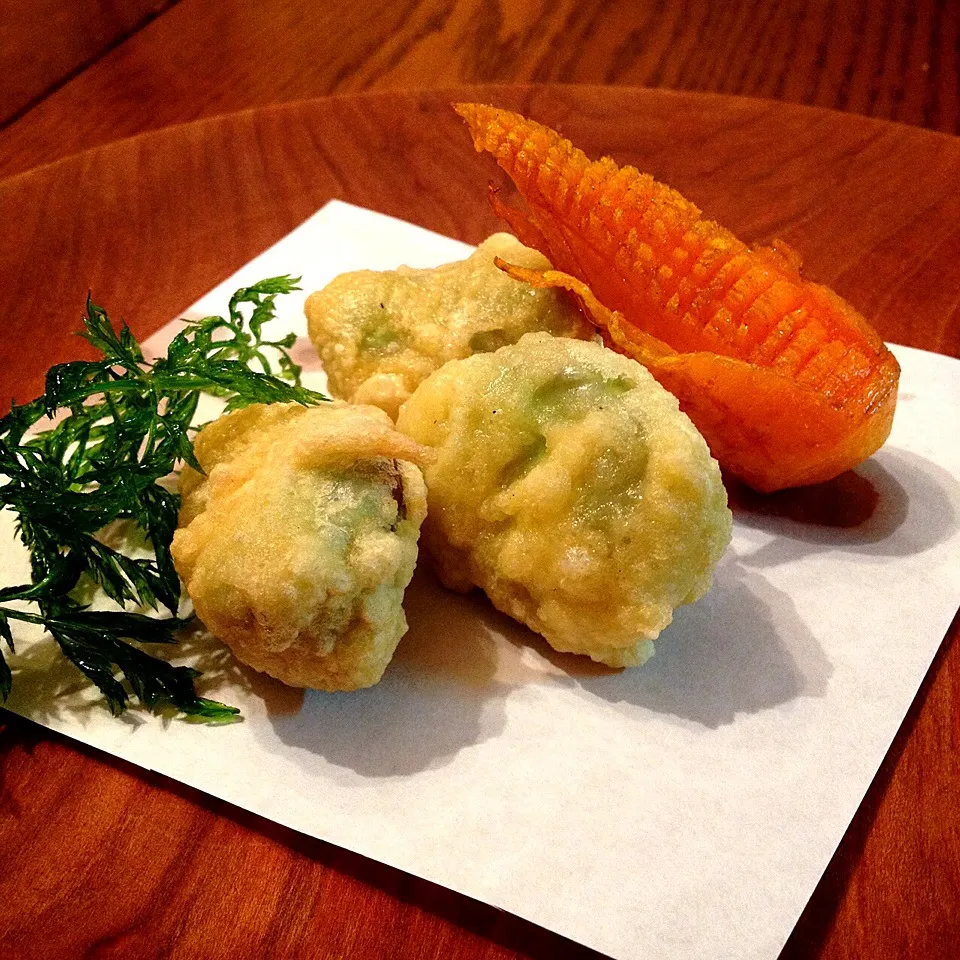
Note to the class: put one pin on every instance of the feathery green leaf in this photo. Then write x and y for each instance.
(95, 449)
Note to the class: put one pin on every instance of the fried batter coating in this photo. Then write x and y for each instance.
(297, 545)
(570, 487)
(380, 334)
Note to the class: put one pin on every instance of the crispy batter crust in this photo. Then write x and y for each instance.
(381, 334)
(570, 487)
(297, 544)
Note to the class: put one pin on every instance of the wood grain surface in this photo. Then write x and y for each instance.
(46, 42)
(98, 859)
(892, 59)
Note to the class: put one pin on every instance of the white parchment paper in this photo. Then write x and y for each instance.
(684, 809)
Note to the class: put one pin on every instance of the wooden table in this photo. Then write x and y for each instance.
(81, 73)
(100, 859)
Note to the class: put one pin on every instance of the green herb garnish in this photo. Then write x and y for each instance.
(122, 426)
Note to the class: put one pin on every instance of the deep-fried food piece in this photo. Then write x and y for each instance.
(297, 545)
(569, 487)
(380, 334)
(787, 382)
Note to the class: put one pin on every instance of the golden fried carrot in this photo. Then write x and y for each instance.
(786, 381)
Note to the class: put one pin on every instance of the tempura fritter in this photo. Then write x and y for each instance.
(380, 334)
(570, 487)
(298, 543)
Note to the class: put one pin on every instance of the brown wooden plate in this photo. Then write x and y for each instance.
(99, 859)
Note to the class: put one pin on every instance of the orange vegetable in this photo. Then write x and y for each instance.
(786, 381)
